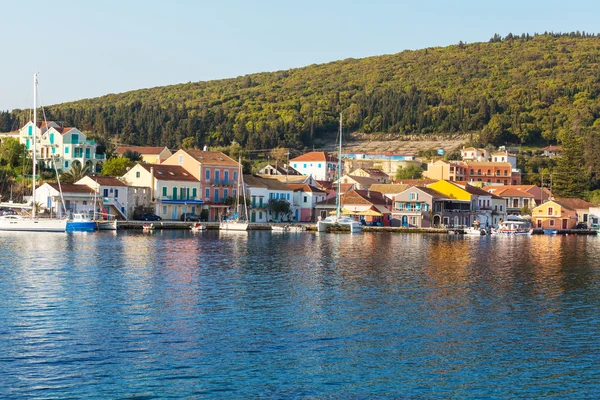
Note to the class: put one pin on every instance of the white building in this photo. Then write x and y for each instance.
(474, 154)
(260, 191)
(61, 146)
(318, 164)
(77, 198)
(112, 194)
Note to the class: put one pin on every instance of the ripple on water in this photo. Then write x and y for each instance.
(302, 315)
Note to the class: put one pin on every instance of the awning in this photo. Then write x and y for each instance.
(343, 211)
(382, 209)
(370, 213)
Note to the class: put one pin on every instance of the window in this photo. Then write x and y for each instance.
(29, 131)
(52, 138)
(551, 222)
(164, 210)
(233, 193)
(66, 149)
(105, 192)
(550, 211)
(194, 193)
(226, 177)
(216, 195)
(525, 202)
(207, 193)
(489, 171)
(75, 138)
(260, 202)
(500, 207)
(217, 175)
(225, 193)
(319, 165)
(66, 164)
(515, 203)
(137, 174)
(295, 165)
(304, 165)
(471, 172)
(207, 174)
(305, 199)
(180, 160)
(174, 193)
(116, 192)
(164, 191)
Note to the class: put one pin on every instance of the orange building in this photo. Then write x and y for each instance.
(499, 173)
(554, 215)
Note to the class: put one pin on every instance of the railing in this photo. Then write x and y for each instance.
(182, 198)
(111, 201)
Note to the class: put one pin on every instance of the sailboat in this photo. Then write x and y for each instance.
(339, 220)
(33, 224)
(237, 223)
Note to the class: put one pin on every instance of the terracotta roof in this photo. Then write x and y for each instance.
(315, 156)
(388, 188)
(286, 178)
(432, 192)
(574, 203)
(71, 188)
(369, 196)
(142, 150)
(257, 181)
(568, 207)
(361, 180)
(212, 158)
(169, 172)
(510, 192)
(415, 182)
(304, 187)
(552, 148)
(107, 181)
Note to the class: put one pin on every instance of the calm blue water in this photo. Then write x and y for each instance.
(175, 314)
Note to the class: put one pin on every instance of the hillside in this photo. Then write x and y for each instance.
(517, 89)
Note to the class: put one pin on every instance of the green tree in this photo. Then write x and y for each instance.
(279, 208)
(76, 172)
(117, 166)
(11, 153)
(411, 171)
(189, 143)
(570, 177)
(132, 155)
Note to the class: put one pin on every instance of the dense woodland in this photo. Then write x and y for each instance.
(525, 89)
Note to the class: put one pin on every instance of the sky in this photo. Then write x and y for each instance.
(83, 49)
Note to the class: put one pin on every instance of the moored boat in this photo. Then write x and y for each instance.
(81, 222)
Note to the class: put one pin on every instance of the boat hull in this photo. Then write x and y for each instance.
(233, 226)
(81, 226)
(106, 225)
(332, 222)
(33, 225)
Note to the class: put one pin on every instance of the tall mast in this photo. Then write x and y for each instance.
(339, 169)
(34, 143)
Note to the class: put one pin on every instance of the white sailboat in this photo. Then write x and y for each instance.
(339, 220)
(237, 222)
(33, 224)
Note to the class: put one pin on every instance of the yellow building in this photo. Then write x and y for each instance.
(150, 155)
(554, 215)
(440, 169)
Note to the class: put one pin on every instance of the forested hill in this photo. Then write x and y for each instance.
(511, 89)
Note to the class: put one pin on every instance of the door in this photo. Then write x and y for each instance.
(539, 223)
(404, 220)
(564, 223)
(173, 212)
(253, 217)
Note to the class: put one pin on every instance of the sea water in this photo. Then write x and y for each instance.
(173, 314)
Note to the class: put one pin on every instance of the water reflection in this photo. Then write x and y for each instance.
(247, 313)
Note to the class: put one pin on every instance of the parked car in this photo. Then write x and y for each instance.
(149, 217)
(581, 225)
(189, 217)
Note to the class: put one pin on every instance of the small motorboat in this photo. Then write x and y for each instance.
(280, 228)
(197, 227)
(148, 227)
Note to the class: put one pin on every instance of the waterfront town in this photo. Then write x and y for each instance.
(483, 188)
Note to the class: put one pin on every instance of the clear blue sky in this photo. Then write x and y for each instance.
(85, 49)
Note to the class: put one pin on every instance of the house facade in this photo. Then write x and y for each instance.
(61, 147)
(112, 194)
(457, 208)
(553, 215)
(414, 207)
(474, 154)
(374, 173)
(174, 190)
(217, 173)
(318, 164)
(496, 173)
(260, 191)
(77, 198)
(581, 207)
(444, 170)
(305, 198)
